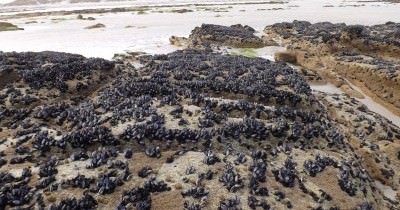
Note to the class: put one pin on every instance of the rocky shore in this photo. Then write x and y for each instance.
(199, 129)
(365, 55)
(209, 35)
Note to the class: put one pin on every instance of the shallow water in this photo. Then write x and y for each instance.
(114, 4)
(375, 107)
(387, 191)
(150, 31)
(326, 88)
(371, 104)
(269, 52)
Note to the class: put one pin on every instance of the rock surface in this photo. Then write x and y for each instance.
(367, 55)
(285, 57)
(98, 25)
(208, 34)
(191, 129)
(4, 26)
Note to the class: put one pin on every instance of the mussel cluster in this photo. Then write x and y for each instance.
(238, 113)
(235, 35)
(327, 32)
(52, 69)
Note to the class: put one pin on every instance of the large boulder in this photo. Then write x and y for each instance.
(237, 36)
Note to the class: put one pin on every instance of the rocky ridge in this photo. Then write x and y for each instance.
(193, 129)
(365, 55)
(209, 35)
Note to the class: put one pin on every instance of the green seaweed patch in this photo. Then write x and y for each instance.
(4, 26)
(247, 52)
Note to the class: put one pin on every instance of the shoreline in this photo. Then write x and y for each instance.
(125, 8)
(197, 109)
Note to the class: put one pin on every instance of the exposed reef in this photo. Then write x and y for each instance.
(208, 35)
(5, 26)
(191, 129)
(98, 25)
(366, 55)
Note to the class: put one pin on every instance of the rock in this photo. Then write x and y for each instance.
(234, 36)
(4, 26)
(98, 25)
(355, 31)
(179, 41)
(337, 51)
(8, 76)
(80, 17)
(204, 123)
(31, 22)
(246, 28)
(351, 92)
(269, 41)
(48, 69)
(288, 57)
(181, 11)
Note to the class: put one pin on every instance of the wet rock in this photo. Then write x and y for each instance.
(356, 31)
(98, 25)
(209, 34)
(285, 57)
(245, 108)
(4, 26)
(52, 69)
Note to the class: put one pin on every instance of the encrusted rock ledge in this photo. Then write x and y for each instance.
(191, 130)
(206, 35)
(366, 55)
